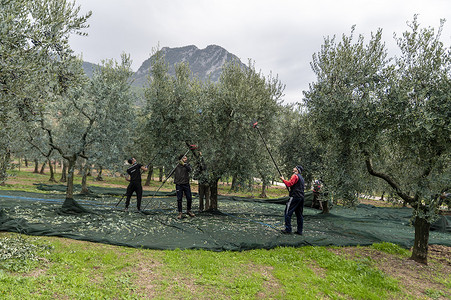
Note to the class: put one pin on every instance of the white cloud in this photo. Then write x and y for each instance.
(280, 36)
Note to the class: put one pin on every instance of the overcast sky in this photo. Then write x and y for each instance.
(279, 36)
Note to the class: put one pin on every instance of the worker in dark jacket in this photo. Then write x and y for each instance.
(134, 177)
(182, 186)
(296, 202)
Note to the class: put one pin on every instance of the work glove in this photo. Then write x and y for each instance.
(181, 162)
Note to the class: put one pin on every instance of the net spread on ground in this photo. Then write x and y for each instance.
(240, 223)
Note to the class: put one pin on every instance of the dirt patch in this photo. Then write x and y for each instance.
(147, 275)
(440, 253)
(415, 279)
(38, 271)
(320, 272)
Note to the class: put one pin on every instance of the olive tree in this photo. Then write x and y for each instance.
(109, 92)
(298, 146)
(86, 120)
(389, 120)
(229, 143)
(169, 114)
(34, 40)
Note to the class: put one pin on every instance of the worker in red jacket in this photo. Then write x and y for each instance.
(296, 202)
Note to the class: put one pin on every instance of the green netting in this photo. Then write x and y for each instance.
(241, 223)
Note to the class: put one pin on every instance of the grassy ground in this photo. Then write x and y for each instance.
(52, 267)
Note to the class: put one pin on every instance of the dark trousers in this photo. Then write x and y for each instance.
(180, 190)
(294, 205)
(134, 187)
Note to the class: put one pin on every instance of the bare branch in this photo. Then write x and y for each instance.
(388, 179)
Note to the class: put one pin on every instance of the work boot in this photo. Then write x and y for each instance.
(179, 216)
(190, 213)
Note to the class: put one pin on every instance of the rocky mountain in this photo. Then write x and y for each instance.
(89, 68)
(203, 63)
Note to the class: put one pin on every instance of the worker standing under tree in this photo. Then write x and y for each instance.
(134, 177)
(182, 186)
(296, 202)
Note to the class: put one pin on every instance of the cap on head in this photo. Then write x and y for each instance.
(181, 156)
(130, 160)
(300, 169)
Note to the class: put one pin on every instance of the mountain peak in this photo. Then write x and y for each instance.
(204, 63)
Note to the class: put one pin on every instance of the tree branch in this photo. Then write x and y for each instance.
(388, 179)
(51, 143)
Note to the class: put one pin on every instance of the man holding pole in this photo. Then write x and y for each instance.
(182, 186)
(134, 177)
(296, 202)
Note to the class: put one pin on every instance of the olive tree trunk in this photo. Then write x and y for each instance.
(36, 166)
(149, 176)
(213, 195)
(70, 176)
(52, 172)
(420, 247)
(84, 185)
(64, 172)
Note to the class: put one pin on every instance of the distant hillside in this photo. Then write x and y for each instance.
(203, 63)
(89, 68)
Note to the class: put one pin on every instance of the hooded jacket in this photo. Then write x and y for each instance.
(181, 173)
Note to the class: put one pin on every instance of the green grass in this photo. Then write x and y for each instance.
(79, 270)
(391, 249)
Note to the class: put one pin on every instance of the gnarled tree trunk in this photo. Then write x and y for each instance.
(263, 193)
(420, 247)
(4, 163)
(213, 195)
(70, 176)
(85, 172)
(149, 175)
(64, 172)
(52, 173)
(99, 174)
(422, 226)
(161, 174)
(43, 168)
(36, 166)
(325, 207)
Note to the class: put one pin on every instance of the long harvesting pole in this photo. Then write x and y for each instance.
(255, 125)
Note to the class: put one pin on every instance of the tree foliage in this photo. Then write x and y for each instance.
(230, 144)
(109, 91)
(170, 112)
(33, 54)
(389, 118)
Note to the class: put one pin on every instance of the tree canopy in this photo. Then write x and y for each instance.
(387, 117)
